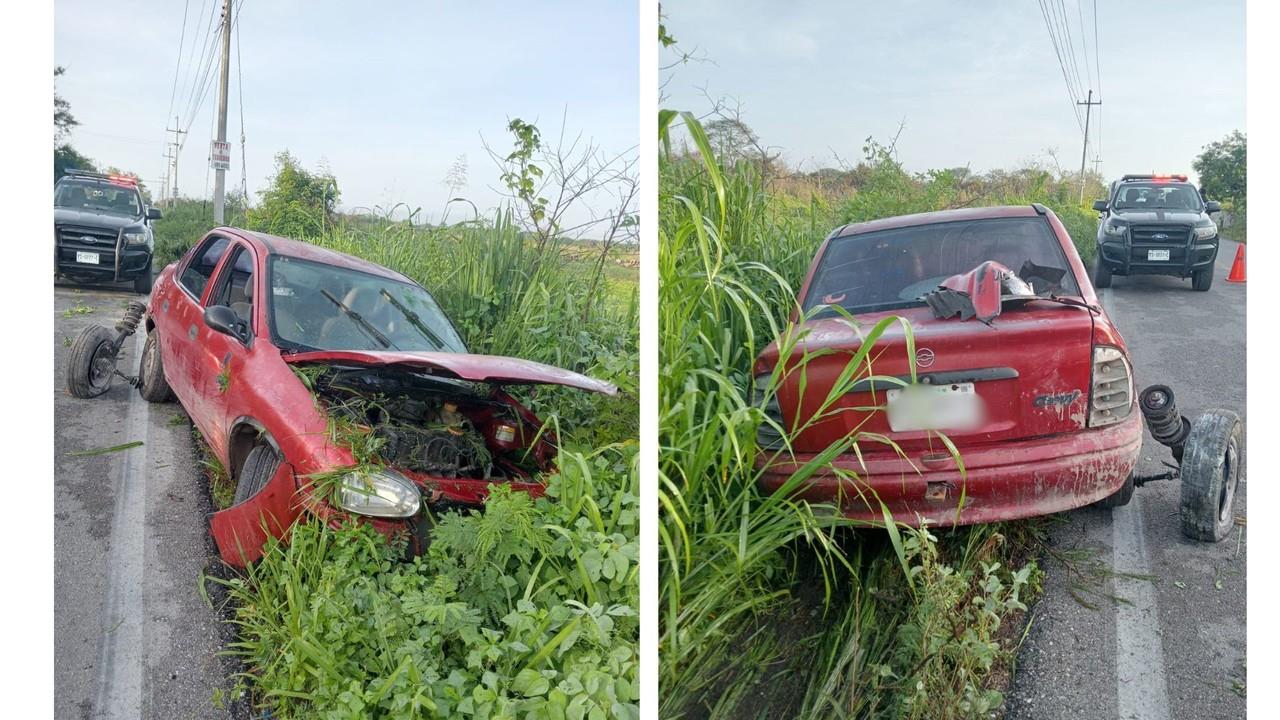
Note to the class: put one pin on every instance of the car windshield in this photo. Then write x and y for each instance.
(316, 306)
(1156, 196)
(892, 269)
(98, 197)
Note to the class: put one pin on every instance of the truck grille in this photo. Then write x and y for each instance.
(72, 239)
(1159, 234)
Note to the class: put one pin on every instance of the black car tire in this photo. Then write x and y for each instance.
(142, 283)
(1202, 280)
(1101, 273)
(1120, 497)
(92, 362)
(258, 468)
(151, 383)
(1211, 475)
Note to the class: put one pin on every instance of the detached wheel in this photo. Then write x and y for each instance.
(153, 387)
(1101, 273)
(1202, 280)
(142, 283)
(1120, 497)
(257, 470)
(1210, 475)
(92, 362)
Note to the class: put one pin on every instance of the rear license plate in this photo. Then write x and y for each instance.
(86, 257)
(934, 407)
(1157, 254)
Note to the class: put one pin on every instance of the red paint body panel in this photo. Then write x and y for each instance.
(264, 394)
(1025, 458)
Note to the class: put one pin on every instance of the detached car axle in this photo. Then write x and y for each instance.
(95, 352)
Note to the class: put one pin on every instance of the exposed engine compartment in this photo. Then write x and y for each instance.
(431, 425)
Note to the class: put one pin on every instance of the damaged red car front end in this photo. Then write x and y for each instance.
(335, 388)
(1022, 372)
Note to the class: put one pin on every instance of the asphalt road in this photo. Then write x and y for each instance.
(1136, 621)
(132, 638)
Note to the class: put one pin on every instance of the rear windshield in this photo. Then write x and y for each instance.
(892, 269)
(99, 197)
(1156, 196)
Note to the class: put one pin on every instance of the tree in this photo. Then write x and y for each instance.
(65, 156)
(297, 203)
(63, 120)
(1221, 167)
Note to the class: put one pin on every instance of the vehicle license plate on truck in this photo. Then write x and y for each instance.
(933, 407)
(86, 257)
(1157, 254)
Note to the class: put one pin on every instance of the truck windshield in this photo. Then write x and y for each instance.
(893, 269)
(98, 197)
(1157, 196)
(316, 306)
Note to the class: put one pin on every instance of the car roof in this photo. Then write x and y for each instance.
(287, 247)
(940, 216)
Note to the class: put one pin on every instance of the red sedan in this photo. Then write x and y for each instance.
(1014, 361)
(328, 385)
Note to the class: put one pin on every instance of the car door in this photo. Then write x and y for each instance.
(182, 316)
(222, 358)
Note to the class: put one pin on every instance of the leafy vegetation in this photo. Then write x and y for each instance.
(1223, 170)
(527, 609)
(754, 586)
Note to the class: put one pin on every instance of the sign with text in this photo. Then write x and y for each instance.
(219, 155)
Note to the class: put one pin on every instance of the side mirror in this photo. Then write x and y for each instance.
(224, 320)
(1213, 206)
(153, 213)
(1100, 205)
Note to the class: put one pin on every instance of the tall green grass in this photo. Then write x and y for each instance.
(731, 557)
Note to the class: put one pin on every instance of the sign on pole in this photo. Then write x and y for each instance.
(219, 155)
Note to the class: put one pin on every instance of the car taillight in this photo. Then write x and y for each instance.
(1111, 394)
(767, 436)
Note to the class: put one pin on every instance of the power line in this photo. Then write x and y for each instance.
(244, 174)
(1097, 65)
(1071, 95)
(178, 67)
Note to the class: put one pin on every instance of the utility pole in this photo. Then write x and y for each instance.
(175, 147)
(1084, 154)
(220, 170)
(164, 189)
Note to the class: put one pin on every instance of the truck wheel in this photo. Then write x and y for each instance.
(142, 283)
(1202, 280)
(256, 471)
(1101, 273)
(152, 385)
(92, 362)
(1210, 475)
(1120, 497)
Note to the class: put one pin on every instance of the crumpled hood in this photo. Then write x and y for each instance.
(979, 293)
(66, 216)
(493, 369)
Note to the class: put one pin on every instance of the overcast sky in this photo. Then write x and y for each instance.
(977, 83)
(388, 94)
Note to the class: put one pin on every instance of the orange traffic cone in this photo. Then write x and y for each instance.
(1237, 267)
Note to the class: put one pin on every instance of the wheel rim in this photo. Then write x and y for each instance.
(149, 360)
(1230, 478)
(102, 366)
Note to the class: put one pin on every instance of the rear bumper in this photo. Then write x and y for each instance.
(1003, 481)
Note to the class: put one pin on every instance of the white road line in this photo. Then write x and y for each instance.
(1141, 688)
(119, 691)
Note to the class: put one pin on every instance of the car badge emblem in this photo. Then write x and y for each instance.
(924, 357)
(88, 239)
(1160, 236)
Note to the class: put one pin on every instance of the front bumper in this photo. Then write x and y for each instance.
(1124, 257)
(1002, 481)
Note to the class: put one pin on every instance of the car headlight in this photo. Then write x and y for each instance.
(377, 492)
(1204, 232)
(1113, 228)
(135, 238)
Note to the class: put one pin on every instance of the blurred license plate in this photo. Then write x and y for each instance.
(84, 257)
(934, 407)
(1157, 254)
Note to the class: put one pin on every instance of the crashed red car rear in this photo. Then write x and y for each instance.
(326, 385)
(1014, 361)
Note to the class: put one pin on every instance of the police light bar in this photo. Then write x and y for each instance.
(117, 179)
(1155, 178)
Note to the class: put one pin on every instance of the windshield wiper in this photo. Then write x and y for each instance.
(360, 321)
(415, 320)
